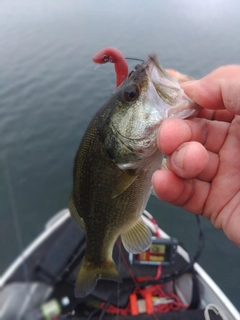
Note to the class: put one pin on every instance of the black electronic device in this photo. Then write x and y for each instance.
(161, 252)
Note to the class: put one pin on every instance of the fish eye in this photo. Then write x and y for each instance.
(131, 93)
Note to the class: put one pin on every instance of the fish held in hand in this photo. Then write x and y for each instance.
(114, 166)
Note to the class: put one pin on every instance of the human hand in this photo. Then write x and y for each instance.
(204, 153)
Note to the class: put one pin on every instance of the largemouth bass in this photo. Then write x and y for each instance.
(114, 166)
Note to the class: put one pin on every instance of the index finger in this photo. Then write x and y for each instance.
(220, 115)
(174, 132)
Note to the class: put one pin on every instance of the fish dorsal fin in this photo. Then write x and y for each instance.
(138, 239)
(124, 181)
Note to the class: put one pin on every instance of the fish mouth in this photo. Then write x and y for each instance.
(161, 97)
(170, 99)
(157, 73)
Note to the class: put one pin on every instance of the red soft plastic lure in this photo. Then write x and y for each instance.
(115, 56)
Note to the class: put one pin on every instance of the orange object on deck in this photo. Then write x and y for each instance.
(149, 303)
(133, 304)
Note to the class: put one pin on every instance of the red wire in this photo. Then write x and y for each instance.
(156, 290)
(158, 235)
(126, 264)
(159, 273)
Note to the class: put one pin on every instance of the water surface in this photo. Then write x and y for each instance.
(50, 89)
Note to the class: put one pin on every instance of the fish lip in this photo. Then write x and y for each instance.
(178, 104)
(152, 62)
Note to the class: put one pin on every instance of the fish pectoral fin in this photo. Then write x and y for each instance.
(89, 274)
(124, 182)
(138, 239)
(74, 213)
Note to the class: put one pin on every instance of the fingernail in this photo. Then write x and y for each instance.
(177, 158)
(189, 88)
(188, 83)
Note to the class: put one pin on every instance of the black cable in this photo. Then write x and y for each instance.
(188, 267)
(107, 304)
(201, 239)
(201, 242)
(135, 59)
(93, 314)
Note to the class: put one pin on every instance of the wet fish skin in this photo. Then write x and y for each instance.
(114, 165)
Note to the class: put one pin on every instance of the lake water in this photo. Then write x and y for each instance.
(50, 89)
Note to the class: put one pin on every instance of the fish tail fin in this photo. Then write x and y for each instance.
(89, 274)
